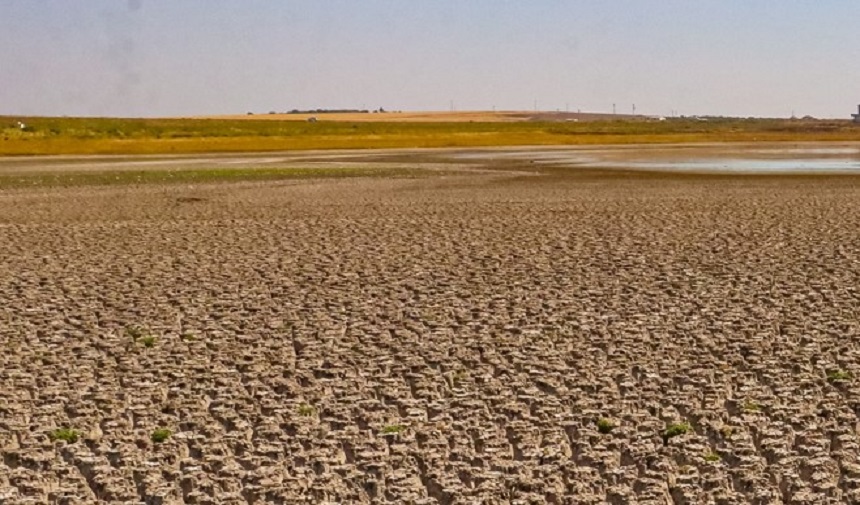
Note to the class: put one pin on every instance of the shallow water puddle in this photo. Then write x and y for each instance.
(686, 158)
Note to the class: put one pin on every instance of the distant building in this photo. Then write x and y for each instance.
(857, 116)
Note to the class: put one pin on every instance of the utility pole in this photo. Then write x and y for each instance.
(535, 105)
(634, 109)
(613, 109)
(452, 105)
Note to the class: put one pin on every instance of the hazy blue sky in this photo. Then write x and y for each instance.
(178, 57)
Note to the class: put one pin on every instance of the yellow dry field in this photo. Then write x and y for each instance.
(57, 136)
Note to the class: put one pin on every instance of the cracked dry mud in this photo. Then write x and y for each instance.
(447, 340)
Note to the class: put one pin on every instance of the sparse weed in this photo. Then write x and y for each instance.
(160, 435)
(192, 176)
(675, 430)
(306, 410)
(727, 431)
(751, 406)
(148, 341)
(838, 376)
(393, 429)
(712, 457)
(135, 332)
(67, 435)
(605, 426)
(187, 337)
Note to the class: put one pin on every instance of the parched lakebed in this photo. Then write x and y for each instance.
(502, 331)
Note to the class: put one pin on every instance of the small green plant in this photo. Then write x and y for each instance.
(187, 337)
(160, 435)
(712, 457)
(393, 429)
(727, 431)
(148, 341)
(675, 430)
(67, 435)
(838, 376)
(135, 332)
(751, 406)
(458, 378)
(605, 426)
(306, 410)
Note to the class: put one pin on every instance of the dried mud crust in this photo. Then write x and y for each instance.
(433, 341)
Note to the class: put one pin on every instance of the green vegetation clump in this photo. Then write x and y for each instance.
(751, 406)
(160, 435)
(306, 410)
(458, 378)
(712, 457)
(67, 435)
(66, 179)
(393, 429)
(605, 426)
(838, 376)
(675, 430)
(135, 332)
(148, 341)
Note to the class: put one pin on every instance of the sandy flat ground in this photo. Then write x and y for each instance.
(442, 340)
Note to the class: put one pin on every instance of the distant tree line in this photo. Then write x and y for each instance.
(321, 111)
(327, 111)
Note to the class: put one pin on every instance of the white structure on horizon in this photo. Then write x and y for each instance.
(857, 116)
